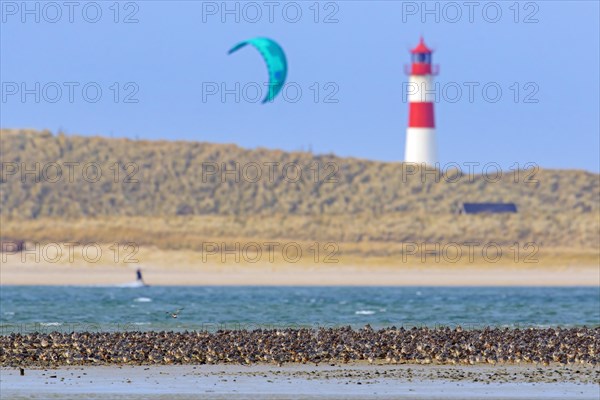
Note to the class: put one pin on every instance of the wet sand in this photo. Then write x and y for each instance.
(186, 267)
(296, 381)
(175, 273)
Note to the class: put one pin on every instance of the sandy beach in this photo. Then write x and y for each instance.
(176, 273)
(360, 381)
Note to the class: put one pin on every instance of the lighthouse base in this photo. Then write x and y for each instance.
(421, 147)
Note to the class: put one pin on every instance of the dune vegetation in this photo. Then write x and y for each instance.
(178, 195)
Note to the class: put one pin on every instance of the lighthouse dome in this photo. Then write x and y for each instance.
(421, 48)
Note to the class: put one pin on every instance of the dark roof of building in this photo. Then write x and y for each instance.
(492, 208)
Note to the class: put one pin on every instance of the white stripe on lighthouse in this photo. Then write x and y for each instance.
(420, 89)
(420, 146)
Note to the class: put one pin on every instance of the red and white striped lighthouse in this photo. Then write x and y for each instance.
(421, 145)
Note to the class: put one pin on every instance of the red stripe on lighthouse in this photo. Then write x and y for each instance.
(421, 115)
(420, 69)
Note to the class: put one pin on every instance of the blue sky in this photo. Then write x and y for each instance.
(544, 57)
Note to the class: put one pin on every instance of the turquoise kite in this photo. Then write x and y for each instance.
(275, 60)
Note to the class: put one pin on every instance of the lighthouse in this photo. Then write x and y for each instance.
(421, 145)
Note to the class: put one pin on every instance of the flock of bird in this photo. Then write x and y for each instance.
(390, 345)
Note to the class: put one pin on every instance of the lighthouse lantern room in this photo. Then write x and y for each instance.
(421, 145)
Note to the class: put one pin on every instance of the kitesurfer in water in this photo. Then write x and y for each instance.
(139, 278)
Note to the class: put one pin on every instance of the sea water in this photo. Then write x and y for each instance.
(70, 308)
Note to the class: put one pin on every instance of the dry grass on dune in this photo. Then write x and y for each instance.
(372, 209)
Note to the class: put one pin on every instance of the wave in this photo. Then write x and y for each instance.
(143, 300)
(364, 312)
(134, 284)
